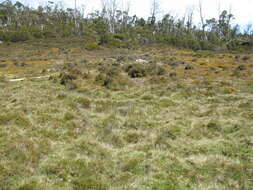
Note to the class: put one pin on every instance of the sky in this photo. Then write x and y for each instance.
(241, 9)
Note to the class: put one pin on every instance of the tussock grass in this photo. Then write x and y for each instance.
(190, 132)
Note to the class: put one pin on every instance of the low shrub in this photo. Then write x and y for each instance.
(241, 68)
(135, 70)
(246, 58)
(111, 77)
(19, 36)
(156, 69)
(189, 67)
(92, 46)
(2, 65)
(2, 78)
(66, 78)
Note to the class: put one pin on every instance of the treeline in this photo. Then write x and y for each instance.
(113, 26)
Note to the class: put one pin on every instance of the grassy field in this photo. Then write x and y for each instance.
(151, 118)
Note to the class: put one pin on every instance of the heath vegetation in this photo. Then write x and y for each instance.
(104, 103)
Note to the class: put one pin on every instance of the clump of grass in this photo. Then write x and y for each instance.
(132, 162)
(156, 69)
(92, 46)
(172, 61)
(132, 137)
(65, 79)
(3, 65)
(243, 58)
(173, 74)
(212, 125)
(166, 102)
(61, 96)
(84, 102)
(69, 116)
(3, 78)
(33, 184)
(241, 68)
(22, 120)
(246, 58)
(189, 67)
(5, 118)
(91, 182)
(139, 70)
(147, 97)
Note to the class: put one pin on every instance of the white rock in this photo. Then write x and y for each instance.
(59, 62)
(141, 61)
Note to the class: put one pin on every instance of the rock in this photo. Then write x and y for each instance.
(59, 62)
(141, 61)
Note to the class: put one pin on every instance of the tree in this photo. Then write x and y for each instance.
(203, 25)
(224, 25)
(154, 11)
(109, 9)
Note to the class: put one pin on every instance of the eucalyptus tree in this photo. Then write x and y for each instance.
(109, 9)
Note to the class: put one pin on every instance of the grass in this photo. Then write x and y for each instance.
(192, 131)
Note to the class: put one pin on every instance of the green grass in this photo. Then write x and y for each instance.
(173, 135)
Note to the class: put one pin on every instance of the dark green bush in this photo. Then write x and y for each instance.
(14, 36)
(18, 36)
(49, 33)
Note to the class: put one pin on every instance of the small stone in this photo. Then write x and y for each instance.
(141, 61)
(59, 62)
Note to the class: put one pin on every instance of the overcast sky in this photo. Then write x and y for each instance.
(242, 9)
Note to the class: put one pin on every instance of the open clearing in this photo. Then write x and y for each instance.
(173, 120)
